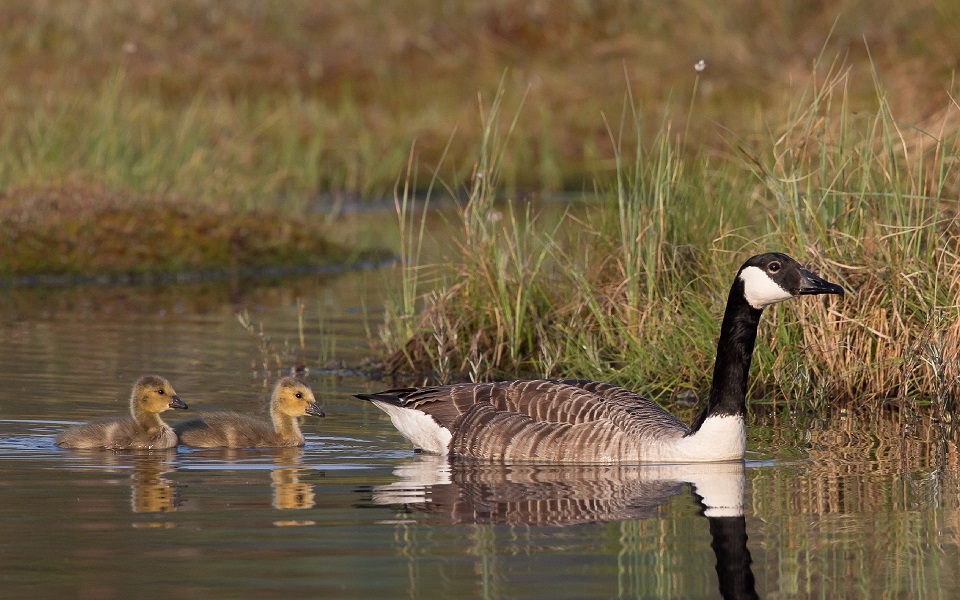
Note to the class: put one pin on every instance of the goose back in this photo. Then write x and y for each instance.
(555, 420)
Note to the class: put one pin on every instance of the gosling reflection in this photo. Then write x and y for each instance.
(481, 493)
(150, 491)
(289, 493)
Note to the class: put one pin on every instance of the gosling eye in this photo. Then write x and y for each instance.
(299, 395)
(160, 392)
(773, 267)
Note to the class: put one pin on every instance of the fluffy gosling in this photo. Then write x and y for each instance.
(143, 430)
(290, 400)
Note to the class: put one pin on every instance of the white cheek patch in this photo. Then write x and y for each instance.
(760, 290)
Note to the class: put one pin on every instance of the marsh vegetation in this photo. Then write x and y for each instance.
(631, 288)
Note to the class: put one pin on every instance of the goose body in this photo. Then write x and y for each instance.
(143, 430)
(576, 421)
(290, 400)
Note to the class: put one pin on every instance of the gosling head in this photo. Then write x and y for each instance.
(154, 394)
(774, 277)
(294, 398)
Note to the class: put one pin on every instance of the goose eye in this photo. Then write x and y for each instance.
(773, 267)
(160, 392)
(299, 395)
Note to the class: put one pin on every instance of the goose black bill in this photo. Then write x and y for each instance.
(814, 284)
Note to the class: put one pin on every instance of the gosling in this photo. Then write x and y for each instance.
(144, 431)
(291, 399)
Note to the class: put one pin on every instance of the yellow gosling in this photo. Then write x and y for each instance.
(291, 399)
(144, 431)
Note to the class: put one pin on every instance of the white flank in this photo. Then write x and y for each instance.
(418, 427)
(720, 437)
(760, 290)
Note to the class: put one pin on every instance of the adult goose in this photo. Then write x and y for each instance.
(290, 400)
(576, 421)
(143, 430)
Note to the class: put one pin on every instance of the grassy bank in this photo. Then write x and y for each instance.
(632, 290)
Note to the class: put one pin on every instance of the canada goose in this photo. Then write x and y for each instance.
(569, 420)
(290, 400)
(145, 431)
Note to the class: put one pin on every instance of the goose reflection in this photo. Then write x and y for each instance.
(538, 494)
(545, 495)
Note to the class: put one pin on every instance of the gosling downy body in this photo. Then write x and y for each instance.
(577, 421)
(290, 400)
(144, 430)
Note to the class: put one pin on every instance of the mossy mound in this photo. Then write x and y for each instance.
(80, 231)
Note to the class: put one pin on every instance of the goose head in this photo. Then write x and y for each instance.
(293, 398)
(775, 277)
(154, 394)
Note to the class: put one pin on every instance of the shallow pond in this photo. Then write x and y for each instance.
(849, 510)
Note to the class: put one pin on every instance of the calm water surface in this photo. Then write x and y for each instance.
(355, 514)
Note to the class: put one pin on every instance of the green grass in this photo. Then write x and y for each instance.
(632, 290)
(245, 151)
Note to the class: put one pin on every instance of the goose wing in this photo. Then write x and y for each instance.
(546, 419)
(642, 415)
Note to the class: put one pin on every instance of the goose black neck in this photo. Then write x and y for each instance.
(738, 333)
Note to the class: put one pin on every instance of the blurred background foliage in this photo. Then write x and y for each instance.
(316, 103)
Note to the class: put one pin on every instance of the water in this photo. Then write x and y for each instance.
(839, 510)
